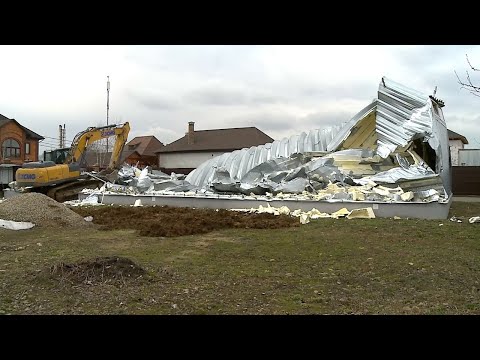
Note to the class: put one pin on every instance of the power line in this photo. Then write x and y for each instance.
(53, 138)
(47, 143)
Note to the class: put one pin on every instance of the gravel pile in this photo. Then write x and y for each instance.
(40, 210)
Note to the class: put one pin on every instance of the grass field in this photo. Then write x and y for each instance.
(378, 266)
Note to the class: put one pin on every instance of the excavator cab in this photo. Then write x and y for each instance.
(58, 156)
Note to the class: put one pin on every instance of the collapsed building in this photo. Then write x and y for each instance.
(394, 151)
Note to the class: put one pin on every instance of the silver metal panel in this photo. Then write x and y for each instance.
(239, 162)
(469, 157)
(403, 114)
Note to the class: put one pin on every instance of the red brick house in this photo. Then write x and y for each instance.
(18, 144)
(141, 150)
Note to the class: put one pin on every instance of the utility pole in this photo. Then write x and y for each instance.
(108, 99)
(62, 137)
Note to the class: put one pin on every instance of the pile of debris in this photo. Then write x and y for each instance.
(40, 210)
(394, 150)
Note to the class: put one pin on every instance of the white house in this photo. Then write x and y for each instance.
(198, 146)
(456, 142)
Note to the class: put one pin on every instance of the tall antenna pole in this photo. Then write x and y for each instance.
(108, 100)
(61, 134)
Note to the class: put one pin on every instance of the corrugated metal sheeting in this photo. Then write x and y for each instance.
(389, 124)
(239, 162)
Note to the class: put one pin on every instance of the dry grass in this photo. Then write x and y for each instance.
(379, 266)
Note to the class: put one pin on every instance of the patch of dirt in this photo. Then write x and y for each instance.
(169, 221)
(100, 270)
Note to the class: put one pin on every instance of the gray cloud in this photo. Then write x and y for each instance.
(229, 97)
(319, 120)
(216, 97)
(265, 121)
(353, 90)
(428, 58)
(279, 125)
(151, 101)
(209, 60)
(436, 66)
(466, 126)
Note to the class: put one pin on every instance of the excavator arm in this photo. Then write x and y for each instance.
(120, 141)
(92, 134)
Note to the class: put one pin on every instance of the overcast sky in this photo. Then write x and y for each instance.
(282, 90)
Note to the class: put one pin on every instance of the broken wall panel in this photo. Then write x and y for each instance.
(402, 115)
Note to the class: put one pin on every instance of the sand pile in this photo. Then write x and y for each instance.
(40, 210)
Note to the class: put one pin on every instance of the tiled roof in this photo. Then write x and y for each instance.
(144, 145)
(30, 133)
(219, 139)
(452, 135)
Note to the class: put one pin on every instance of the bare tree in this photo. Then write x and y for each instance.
(475, 90)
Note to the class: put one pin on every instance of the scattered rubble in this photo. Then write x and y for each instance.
(475, 219)
(90, 200)
(305, 216)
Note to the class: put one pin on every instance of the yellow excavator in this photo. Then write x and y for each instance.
(64, 177)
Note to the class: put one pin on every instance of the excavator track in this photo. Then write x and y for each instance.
(70, 190)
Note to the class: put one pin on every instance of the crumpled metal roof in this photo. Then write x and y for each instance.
(239, 162)
(381, 154)
(397, 117)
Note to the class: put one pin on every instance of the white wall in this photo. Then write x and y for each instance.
(455, 145)
(185, 160)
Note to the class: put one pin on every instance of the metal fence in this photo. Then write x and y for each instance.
(466, 180)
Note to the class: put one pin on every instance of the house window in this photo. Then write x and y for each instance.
(27, 148)
(10, 149)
